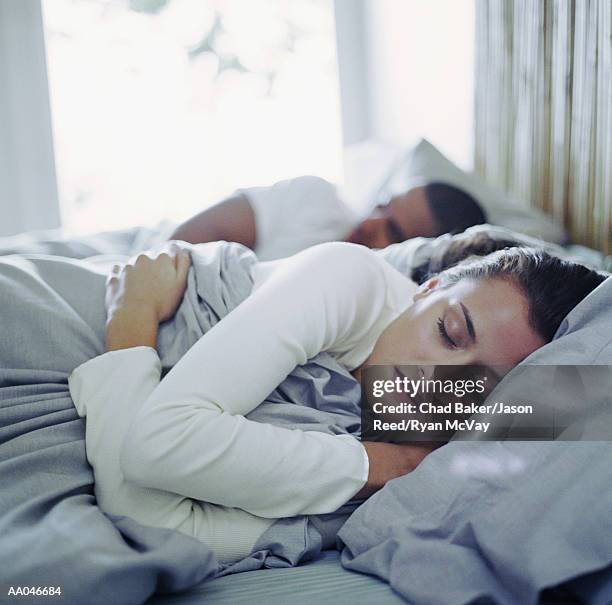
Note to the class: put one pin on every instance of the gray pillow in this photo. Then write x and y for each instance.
(585, 335)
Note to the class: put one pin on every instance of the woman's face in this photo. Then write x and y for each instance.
(483, 322)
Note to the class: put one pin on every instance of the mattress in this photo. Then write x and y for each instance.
(320, 581)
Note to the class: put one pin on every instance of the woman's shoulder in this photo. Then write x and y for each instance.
(348, 266)
(342, 252)
(350, 259)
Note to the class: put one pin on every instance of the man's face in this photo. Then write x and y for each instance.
(403, 217)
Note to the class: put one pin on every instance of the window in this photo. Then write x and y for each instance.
(422, 72)
(162, 107)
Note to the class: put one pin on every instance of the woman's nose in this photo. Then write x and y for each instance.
(427, 371)
(465, 357)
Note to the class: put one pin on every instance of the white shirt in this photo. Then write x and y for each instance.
(189, 435)
(295, 214)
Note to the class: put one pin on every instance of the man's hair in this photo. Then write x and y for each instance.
(453, 209)
(461, 247)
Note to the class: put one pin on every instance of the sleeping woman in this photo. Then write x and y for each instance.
(179, 452)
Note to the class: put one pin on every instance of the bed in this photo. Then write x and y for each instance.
(323, 580)
(53, 532)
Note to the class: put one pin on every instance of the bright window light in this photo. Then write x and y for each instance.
(422, 72)
(162, 107)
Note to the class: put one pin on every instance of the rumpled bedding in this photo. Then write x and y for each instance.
(436, 535)
(53, 319)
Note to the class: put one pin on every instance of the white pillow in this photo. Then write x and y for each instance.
(366, 166)
(408, 255)
(424, 163)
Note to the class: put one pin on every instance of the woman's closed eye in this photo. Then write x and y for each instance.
(456, 328)
(446, 339)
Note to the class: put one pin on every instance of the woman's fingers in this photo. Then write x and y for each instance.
(173, 252)
(166, 254)
(156, 278)
(169, 251)
(176, 251)
(183, 262)
(113, 274)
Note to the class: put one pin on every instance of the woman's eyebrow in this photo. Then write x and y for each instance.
(468, 322)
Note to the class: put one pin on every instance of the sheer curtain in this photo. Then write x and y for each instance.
(543, 117)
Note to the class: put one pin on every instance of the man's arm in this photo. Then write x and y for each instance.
(232, 220)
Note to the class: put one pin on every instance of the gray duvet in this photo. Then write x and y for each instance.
(435, 536)
(52, 533)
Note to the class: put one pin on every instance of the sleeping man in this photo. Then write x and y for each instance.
(280, 220)
(293, 215)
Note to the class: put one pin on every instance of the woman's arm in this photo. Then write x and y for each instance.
(191, 436)
(131, 327)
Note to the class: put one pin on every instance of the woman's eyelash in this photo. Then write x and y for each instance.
(444, 334)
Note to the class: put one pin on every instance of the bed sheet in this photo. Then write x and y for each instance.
(321, 581)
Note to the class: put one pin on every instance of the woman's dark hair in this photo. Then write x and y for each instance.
(458, 249)
(453, 209)
(552, 286)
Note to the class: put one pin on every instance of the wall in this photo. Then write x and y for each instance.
(28, 189)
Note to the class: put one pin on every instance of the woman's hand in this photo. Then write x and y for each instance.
(392, 460)
(142, 294)
(151, 282)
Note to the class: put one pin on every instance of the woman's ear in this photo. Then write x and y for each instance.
(426, 287)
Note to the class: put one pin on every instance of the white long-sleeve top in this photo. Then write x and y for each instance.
(109, 390)
(190, 436)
